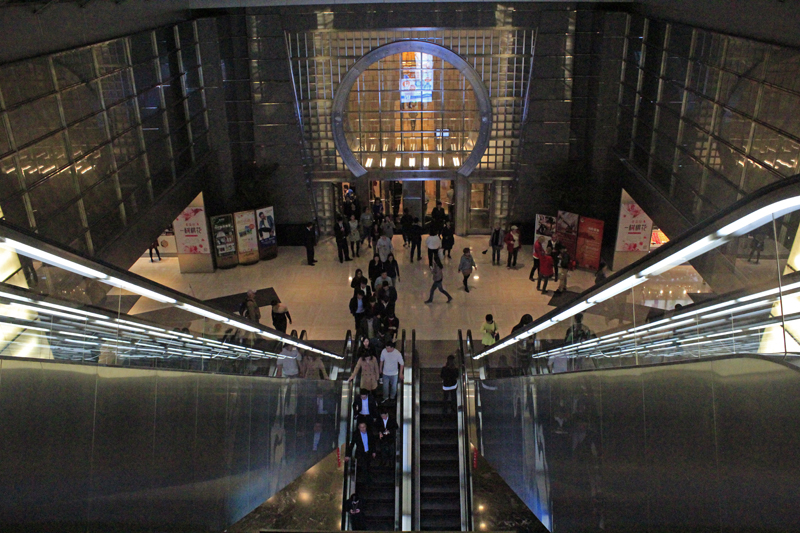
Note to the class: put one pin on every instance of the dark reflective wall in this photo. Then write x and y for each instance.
(98, 448)
(696, 446)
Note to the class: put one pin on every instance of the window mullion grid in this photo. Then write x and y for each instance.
(639, 83)
(684, 105)
(711, 142)
(756, 112)
(659, 93)
(26, 200)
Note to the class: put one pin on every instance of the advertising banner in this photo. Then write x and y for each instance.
(267, 240)
(567, 231)
(545, 227)
(246, 236)
(191, 231)
(416, 78)
(590, 241)
(635, 227)
(224, 240)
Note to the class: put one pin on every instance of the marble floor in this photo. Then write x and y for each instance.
(318, 296)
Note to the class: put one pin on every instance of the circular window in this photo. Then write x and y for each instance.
(411, 105)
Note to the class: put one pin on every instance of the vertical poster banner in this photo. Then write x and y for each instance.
(224, 241)
(191, 231)
(545, 227)
(416, 78)
(567, 231)
(635, 228)
(267, 240)
(590, 241)
(246, 236)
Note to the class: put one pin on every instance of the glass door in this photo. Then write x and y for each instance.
(480, 198)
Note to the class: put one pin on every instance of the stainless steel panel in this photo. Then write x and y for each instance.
(209, 450)
(237, 447)
(122, 454)
(45, 442)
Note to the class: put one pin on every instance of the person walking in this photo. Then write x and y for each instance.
(387, 227)
(358, 308)
(434, 243)
(375, 233)
(368, 366)
(392, 269)
(438, 276)
(384, 247)
(545, 272)
(513, 244)
(392, 365)
(310, 239)
(438, 217)
(448, 239)
(564, 259)
(366, 221)
(496, 242)
(489, 330)
(280, 314)
(251, 310)
(313, 367)
(406, 222)
(355, 284)
(465, 266)
(415, 238)
(341, 231)
(538, 252)
(154, 247)
(354, 237)
(375, 268)
(449, 375)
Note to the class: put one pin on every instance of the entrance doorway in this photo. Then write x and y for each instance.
(418, 196)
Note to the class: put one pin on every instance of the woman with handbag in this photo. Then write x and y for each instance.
(489, 330)
(465, 266)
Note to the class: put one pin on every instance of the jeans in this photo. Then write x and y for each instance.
(539, 283)
(496, 253)
(389, 387)
(416, 246)
(465, 282)
(438, 285)
(512, 257)
(534, 268)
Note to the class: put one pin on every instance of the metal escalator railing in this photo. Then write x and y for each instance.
(416, 384)
(730, 285)
(464, 455)
(399, 444)
(474, 373)
(72, 308)
(346, 421)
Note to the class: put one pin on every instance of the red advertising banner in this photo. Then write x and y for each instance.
(567, 231)
(590, 241)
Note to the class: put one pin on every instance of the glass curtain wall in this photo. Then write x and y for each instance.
(319, 59)
(92, 136)
(708, 117)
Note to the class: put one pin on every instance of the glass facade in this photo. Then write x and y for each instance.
(319, 59)
(707, 117)
(97, 134)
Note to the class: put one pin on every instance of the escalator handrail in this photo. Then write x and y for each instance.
(476, 437)
(766, 197)
(416, 406)
(398, 466)
(464, 462)
(346, 422)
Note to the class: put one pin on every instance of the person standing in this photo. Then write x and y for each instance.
(448, 239)
(496, 242)
(368, 366)
(310, 239)
(438, 276)
(384, 247)
(375, 268)
(355, 284)
(341, 231)
(154, 247)
(449, 375)
(313, 367)
(355, 509)
(252, 312)
(538, 252)
(392, 365)
(415, 238)
(438, 217)
(354, 237)
(392, 269)
(513, 244)
(280, 314)
(545, 272)
(434, 244)
(405, 226)
(489, 330)
(387, 227)
(465, 266)
(357, 308)
(289, 362)
(366, 226)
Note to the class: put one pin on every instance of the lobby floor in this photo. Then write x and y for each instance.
(318, 296)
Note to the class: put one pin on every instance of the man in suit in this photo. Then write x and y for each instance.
(387, 433)
(365, 409)
(341, 230)
(366, 449)
(310, 241)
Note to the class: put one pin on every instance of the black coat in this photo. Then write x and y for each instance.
(373, 407)
(357, 443)
(310, 238)
(374, 270)
(354, 305)
(391, 427)
(415, 233)
(341, 232)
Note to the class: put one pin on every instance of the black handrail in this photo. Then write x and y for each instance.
(347, 394)
(463, 437)
(398, 464)
(415, 466)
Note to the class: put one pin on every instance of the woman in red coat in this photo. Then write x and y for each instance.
(513, 244)
(545, 271)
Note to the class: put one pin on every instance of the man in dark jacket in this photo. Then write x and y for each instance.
(341, 230)
(449, 375)
(310, 239)
(415, 237)
(438, 216)
(365, 409)
(387, 432)
(364, 448)
(358, 307)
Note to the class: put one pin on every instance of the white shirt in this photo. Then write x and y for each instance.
(391, 362)
(433, 242)
(289, 361)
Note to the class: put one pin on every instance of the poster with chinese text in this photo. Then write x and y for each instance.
(590, 242)
(567, 231)
(635, 228)
(191, 231)
(224, 240)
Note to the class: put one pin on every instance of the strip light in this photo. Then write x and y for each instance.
(47, 257)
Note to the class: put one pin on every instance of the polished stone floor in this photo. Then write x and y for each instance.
(318, 296)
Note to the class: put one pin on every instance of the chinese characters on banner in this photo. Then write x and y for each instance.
(246, 236)
(416, 78)
(567, 231)
(224, 240)
(590, 241)
(635, 227)
(191, 231)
